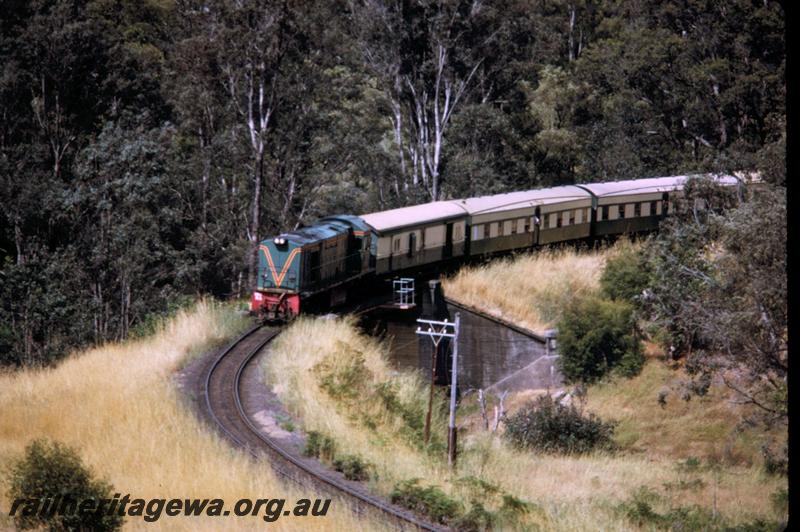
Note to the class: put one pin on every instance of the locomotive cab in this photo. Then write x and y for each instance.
(296, 265)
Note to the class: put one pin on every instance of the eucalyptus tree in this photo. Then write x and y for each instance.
(420, 52)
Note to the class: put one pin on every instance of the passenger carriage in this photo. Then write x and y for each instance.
(322, 260)
(415, 236)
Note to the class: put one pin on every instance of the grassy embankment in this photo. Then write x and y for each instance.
(530, 289)
(118, 407)
(335, 379)
(316, 361)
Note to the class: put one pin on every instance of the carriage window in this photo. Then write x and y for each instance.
(579, 216)
(396, 244)
(637, 209)
(477, 232)
(493, 229)
(521, 226)
(457, 234)
(621, 211)
(653, 208)
(559, 219)
(412, 243)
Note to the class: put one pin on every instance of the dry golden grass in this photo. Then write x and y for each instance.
(572, 493)
(530, 289)
(290, 369)
(117, 406)
(702, 426)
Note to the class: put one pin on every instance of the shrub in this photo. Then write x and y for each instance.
(319, 445)
(476, 519)
(776, 462)
(625, 276)
(596, 336)
(639, 508)
(52, 471)
(426, 500)
(545, 425)
(780, 500)
(639, 511)
(352, 466)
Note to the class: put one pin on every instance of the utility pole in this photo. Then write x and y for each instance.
(451, 433)
(434, 356)
(436, 336)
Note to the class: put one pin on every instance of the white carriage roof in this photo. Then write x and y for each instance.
(644, 186)
(414, 215)
(443, 210)
(526, 198)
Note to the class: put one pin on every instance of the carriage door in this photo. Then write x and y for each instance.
(447, 252)
(315, 267)
(537, 223)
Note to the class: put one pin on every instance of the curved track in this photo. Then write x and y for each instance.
(223, 400)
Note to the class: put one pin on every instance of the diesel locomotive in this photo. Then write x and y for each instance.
(329, 258)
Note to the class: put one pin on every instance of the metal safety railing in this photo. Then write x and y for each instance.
(404, 292)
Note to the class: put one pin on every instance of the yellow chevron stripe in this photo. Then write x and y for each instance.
(279, 278)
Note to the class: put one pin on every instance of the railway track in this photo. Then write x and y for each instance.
(224, 403)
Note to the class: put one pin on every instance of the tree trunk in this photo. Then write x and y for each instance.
(255, 221)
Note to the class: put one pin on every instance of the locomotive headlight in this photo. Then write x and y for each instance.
(279, 241)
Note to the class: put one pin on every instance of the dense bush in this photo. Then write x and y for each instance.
(625, 275)
(429, 501)
(596, 336)
(52, 471)
(548, 426)
(319, 446)
(353, 467)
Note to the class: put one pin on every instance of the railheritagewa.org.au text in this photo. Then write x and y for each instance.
(154, 509)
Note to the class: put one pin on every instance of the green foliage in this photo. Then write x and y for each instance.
(694, 484)
(507, 510)
(596, 336)
(625, 276)
(153, 321)
(776, 462)
(476, 519)
(547, 426)
(692, 463)
(128, 170)
(353, 467)
(50, 470)
(429, 501)
(411, 412)
(780, 500)
(319, 446)
(348, 380)
(343, 381)
(323, 447)
(639, 510)
(719, 292)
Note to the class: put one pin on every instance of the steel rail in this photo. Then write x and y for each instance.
(302, 474)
